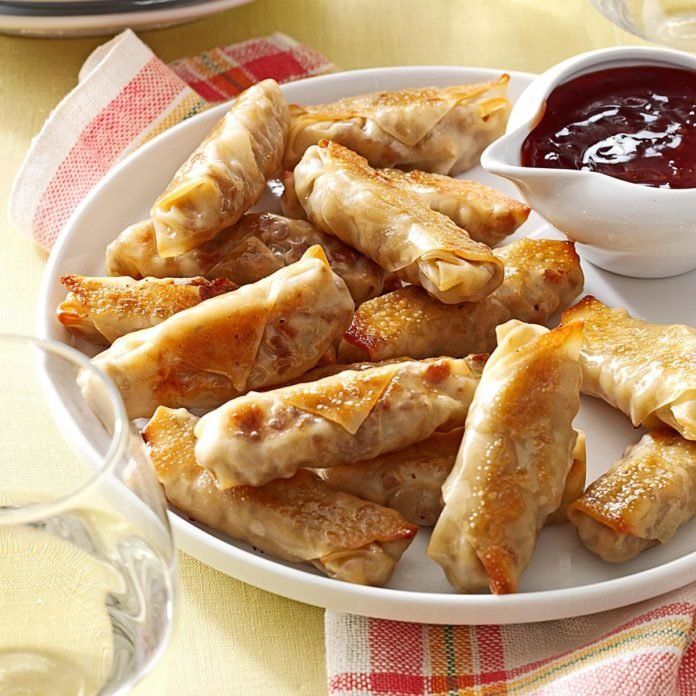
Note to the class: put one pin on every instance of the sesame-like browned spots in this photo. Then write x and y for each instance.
(632, 496)
(148, 298)
(647, 347)
(437, 372)
(169, 439)
(248, 419)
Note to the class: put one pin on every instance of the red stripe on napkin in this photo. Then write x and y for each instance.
(102, 143)
(88, 133)
(225, 72)
(649, 648)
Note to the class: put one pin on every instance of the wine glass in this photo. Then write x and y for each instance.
(670, 22)
(87, 565)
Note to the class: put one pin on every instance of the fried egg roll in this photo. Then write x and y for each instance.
(100, 310)
(542, 276)
(646, 370)
(258, 245)
(410, 480)
(343, 196)
(514, 459)
(642, 500)
(436, 129)
(347, 417)
(485, 213)
(226, 174)
(299, 519)
(262, 334)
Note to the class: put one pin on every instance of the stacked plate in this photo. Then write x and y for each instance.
(92, 17)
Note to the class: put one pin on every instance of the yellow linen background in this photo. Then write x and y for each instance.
(232, 638)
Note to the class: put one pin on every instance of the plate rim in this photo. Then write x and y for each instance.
(569, 601)
(380, 602)
(111, 22)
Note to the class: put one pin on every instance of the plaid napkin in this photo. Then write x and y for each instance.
(124, 97)
(648, 649)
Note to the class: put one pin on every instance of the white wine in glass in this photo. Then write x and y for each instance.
(670, 22)
(87, 565)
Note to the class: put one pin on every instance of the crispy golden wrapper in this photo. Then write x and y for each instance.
(333, 368)
(436, 129)
(262, 334)
(258, 245)
(485, 213)
(642, 500)
(542, 276)
(342, 418)
(514, 458)
(299, 519)
(227, 172)
(410, 480)
(100, 310)
(648, 371)
(344, 196)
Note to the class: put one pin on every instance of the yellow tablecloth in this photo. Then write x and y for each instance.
(232, 638)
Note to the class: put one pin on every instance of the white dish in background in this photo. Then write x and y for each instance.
(563, 579)
(635, 230)
(98, 24)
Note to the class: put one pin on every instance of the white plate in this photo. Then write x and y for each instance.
(97, 24)
(563, 579)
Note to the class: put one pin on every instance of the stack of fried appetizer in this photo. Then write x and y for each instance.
(322, 384)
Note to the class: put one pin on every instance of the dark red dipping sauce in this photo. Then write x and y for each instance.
(637, 124)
